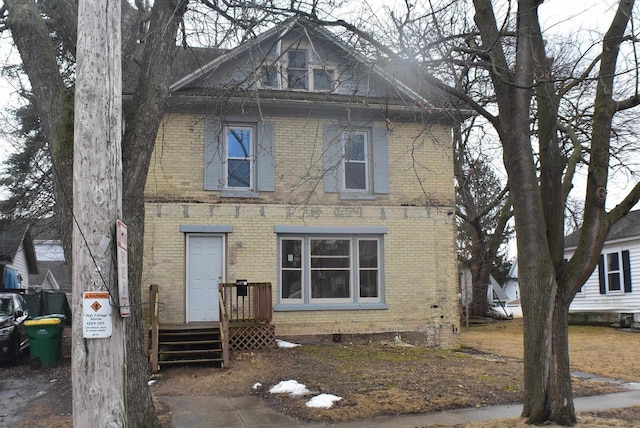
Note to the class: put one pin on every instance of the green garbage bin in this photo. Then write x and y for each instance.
(44, 341)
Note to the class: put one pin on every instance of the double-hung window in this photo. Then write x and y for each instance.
(323, 272)
(239, 157)
(614, 272)
(355, 161)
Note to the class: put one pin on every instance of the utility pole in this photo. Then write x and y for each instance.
(98, 350)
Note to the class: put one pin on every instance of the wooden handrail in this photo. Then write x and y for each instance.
(154, 325)
(224, 328)
(250, 304)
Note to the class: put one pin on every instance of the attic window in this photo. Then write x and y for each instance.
(270, 77)
(322, 79)
(297, 69)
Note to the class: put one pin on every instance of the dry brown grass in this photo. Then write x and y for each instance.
(603, 351)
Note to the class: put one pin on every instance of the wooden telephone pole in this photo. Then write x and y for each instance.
(98, 350)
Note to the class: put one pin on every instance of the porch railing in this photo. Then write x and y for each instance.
(224, 328)
(154, 325)
(246, 303)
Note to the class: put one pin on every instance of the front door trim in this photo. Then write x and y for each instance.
(187, 261)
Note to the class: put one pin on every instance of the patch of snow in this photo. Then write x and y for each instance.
(291, 387)
(323, 401)
(256, 385)
(283, 344)
(151, 382)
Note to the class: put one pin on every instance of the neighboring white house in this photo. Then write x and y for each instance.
(17, 255)
(612, 292)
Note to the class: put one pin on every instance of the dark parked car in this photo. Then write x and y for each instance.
(13, 334)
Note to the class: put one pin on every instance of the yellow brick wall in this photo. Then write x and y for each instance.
(420, 162)
(420, 275)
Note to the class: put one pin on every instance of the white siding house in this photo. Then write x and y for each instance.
(612, 292)
(17, 255)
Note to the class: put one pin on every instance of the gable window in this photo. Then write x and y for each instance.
(270, 77)
(614, 272)
(356, 161)
(318, 271)
(322, 79)
(297, 69)
(239, 156)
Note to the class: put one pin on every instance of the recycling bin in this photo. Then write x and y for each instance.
(45, 341)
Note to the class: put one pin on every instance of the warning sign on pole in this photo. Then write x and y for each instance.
(96, 314)
(123, 269)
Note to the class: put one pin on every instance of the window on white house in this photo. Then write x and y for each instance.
(355, 161)
(614, 272)
(239, 157)
(297, 69)
(330, 270)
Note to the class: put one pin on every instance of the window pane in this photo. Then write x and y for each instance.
(297, 59)
(368, 254)
(291, 253)
(270, 77)
(292, 284)
(239, 143)
(322, 80)
(612, 262)
(614, 281)
(368, 283)
(330, 247)
(239, 174)
(297, 79)
(326, 284)
(355, 176)
(329, 262)
(354, 147)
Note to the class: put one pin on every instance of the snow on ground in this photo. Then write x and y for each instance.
(323, 401)
(256, 385)
(283, 344)
(296, 389)
(291, 387)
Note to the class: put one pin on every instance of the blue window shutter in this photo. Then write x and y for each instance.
(626, 268)
(380, 160)
(265, 157)
(603, 286)
(213, 155)
(332, 157)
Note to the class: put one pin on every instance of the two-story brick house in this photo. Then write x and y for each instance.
(292, 161)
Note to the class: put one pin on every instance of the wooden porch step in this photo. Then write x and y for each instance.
(195, 361)
(199, 343)
(189, 342)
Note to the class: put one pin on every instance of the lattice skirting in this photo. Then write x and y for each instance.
(252, 337)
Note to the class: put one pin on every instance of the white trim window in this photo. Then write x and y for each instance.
(303, 74)
(239, 153)
(614, 272)
(355, 161)
(328, 271)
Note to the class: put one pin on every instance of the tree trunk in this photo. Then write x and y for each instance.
(547, 378)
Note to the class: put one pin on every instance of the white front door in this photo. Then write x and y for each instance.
(204, 272)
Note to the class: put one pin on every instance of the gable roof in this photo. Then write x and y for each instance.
(419, 95)
(628, 227)
(13, 235)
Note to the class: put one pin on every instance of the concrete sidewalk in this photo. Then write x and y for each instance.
(219, 412)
